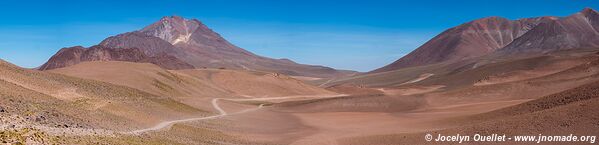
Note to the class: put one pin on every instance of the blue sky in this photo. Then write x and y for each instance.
(351, 34)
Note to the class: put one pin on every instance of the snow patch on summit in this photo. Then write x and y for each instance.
(182, 38)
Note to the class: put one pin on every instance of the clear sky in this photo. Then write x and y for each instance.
(346, 34)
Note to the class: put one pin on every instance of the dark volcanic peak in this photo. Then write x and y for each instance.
(180, 31)
(173, 29)
(488, 35)
(196, 44)
(189, 41)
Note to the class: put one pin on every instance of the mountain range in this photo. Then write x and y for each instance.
(501, 36)
(487, 76)
(178, 43)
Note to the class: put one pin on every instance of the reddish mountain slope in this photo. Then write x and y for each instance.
(472, 39)
(151, 45)
(495, 34)
(176, 43)
(194, 43)
(580, 30)
(74, 55)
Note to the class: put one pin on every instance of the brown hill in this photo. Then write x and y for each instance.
(469, 40)
(74, 55)
(129, 96)
(479, 71)
(506, 37)
(50, 100)
(200, 84)
(558, 92)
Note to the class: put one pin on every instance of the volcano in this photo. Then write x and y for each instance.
(189, 42)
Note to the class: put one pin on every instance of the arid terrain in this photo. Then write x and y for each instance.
(169, 83)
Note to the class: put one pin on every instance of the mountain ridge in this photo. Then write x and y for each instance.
(500, 35)
(194, 43)
(74, 55)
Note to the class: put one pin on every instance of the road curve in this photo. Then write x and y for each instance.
(217, 107)
(170, 123)
(221, 112)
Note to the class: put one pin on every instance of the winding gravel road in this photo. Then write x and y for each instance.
(221, 112)
(166, 124)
